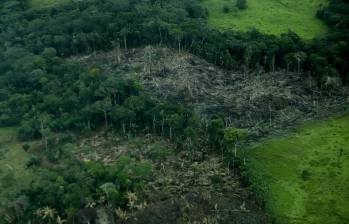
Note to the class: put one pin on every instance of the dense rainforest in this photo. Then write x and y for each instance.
(49, 97)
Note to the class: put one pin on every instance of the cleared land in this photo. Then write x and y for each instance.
(186, 79)
(38, 4)
(246, 101)
(178, 180)
(269, 16)
(305, 176)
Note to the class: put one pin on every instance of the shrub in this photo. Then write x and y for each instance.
(241, 4)
(33, 161)
(7, 180)
(25, 147)
(66, 150)
(226, 9)
(28, 130)
(305, 175)
(159, 152)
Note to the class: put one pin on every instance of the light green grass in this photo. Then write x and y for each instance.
(39, 4)
(277, 165)
(13, 173)
(269, 16)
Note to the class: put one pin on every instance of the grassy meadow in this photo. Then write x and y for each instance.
(305, 177)
(13, 173)
(269, 16)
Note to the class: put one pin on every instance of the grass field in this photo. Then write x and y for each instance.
(305, 176)
(13, 173)
(38, 4)
(269, 16)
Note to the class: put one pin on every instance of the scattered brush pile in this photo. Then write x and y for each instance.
(262, 102)
(183, 187)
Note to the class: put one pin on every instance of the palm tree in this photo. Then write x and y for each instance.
(46, 213)
(300, 58)
(59, 220)
(110, 191)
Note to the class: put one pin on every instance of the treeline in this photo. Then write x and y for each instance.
(44, 93)
(59, 97)
(87, 26)
(333, 51)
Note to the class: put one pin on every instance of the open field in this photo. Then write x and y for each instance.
(269, 16)
(13, 173)
(305, 176)
(37, 4)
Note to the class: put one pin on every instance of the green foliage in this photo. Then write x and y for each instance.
(39, 4)
(190, 138)
(7, 180)
(336, 15)
(269, 16)
(215, 132)
(241, 4)
(120, 113)
(67, 149)
(36, 81)
(226, 9)
(44, 93)
(233, 135)
(110, 191)
(135, 103)
(304, 176)
(142, 170)
(28, 130)
(33, 161)
(159, 152)
(136, 169)
(25, 147)
(70, 187)
(13, 173)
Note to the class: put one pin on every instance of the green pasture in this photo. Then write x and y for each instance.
(304, 177)
(269, 16)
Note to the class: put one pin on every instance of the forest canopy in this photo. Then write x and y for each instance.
(43, 92)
